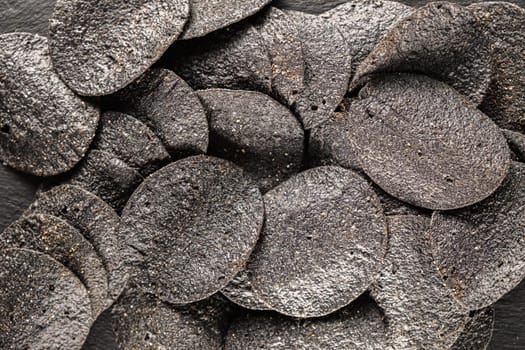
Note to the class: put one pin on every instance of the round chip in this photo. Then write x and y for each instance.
(423, 143)
(239, 291)
(96, 220)
(106, 176)
(99, 47)
(25, 16)
(233, 58)
(328, 65)
(45, 129)
(478, 331)
(516, 143)
(322, 245)
(364, 23)
(503, 24)
(191, 225)
(441, 39)
(480, 250)
(255, 132)
(56, 238)
(143, 322)
(17, 191)
(169, 107)
(354, 328)
(282, 40)
(419, 309)
(329, 143)
(132, 141)
(208, 16)
(44, 305)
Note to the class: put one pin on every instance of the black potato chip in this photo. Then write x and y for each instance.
(208, 16)
(56, 238)
(423, 143)
(440, 39)
(505, 99)
(322, 245)
(99, 47)
(283, 41)
(255, 132)
(419, 309)
(239, 291)
(96, 220)
(234, 58)
(327, 68)
(131, 141)
(45, 129)
(478, 331)
(480, 250)
(191, 226)
(44, 305)
(516, 143)
(169, 107)
(356, 327)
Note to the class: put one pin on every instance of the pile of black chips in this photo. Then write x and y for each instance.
(229, 175)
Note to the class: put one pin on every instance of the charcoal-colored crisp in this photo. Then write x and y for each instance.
(283, 41)
(141, 321)
(25, 16)
(17, 191)
(239, 291)
(516, 141)
(234, 58)
(45, 129)
(107, 177)
(96, 220)
(423, 143)
(357, 327)
(440, 39)
(169, 107)
(56, 238)
(418, 307)
(131, 141)
(255, 132)
(208, 16)
(329, 142)
(478, 330)
(327, 68)
(480, 250)
(44, 305)
(322, 245)
(364, 23)
(98, 47)
(191, 226)
(503, 24)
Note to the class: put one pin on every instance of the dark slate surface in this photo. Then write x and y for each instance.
(16, 190)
